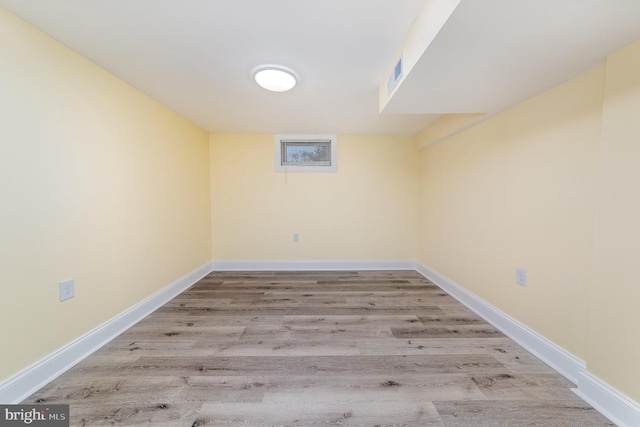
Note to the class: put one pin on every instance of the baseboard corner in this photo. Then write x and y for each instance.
(617, 407)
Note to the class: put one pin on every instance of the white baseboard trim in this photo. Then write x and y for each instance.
(28, 381)
(619, 408)
(614, 405)
(311, 265)
(553, 355)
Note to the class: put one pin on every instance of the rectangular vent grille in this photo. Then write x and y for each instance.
(395, 76)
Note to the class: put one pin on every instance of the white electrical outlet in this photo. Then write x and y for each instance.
(521, 276)
(67, 289)
(296, 237)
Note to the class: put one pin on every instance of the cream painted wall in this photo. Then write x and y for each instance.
(614, 340)
(519, 190)
(366, 210)
(101, 183)
(97, 182)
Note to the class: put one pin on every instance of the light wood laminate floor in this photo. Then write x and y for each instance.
(383, 348)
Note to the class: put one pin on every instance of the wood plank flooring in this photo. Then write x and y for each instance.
(383, 348)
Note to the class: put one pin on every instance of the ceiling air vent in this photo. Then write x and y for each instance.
(395, 76)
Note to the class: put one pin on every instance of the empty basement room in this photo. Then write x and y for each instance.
(285, 213)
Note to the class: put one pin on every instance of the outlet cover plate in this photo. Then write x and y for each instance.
(521, 276)
(67, 289)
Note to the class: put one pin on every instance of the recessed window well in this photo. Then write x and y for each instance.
(275, 78)
(306, 153)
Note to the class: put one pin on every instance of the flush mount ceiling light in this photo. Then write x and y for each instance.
(275, 78)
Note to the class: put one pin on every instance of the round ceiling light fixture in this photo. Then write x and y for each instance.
(275, 78)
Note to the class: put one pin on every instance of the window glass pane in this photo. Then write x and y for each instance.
(308, 153)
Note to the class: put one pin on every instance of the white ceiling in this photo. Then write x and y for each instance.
(493, 54)
(197, 56)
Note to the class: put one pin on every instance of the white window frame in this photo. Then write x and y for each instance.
(332, 138)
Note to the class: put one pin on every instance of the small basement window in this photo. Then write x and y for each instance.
(306, 153)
